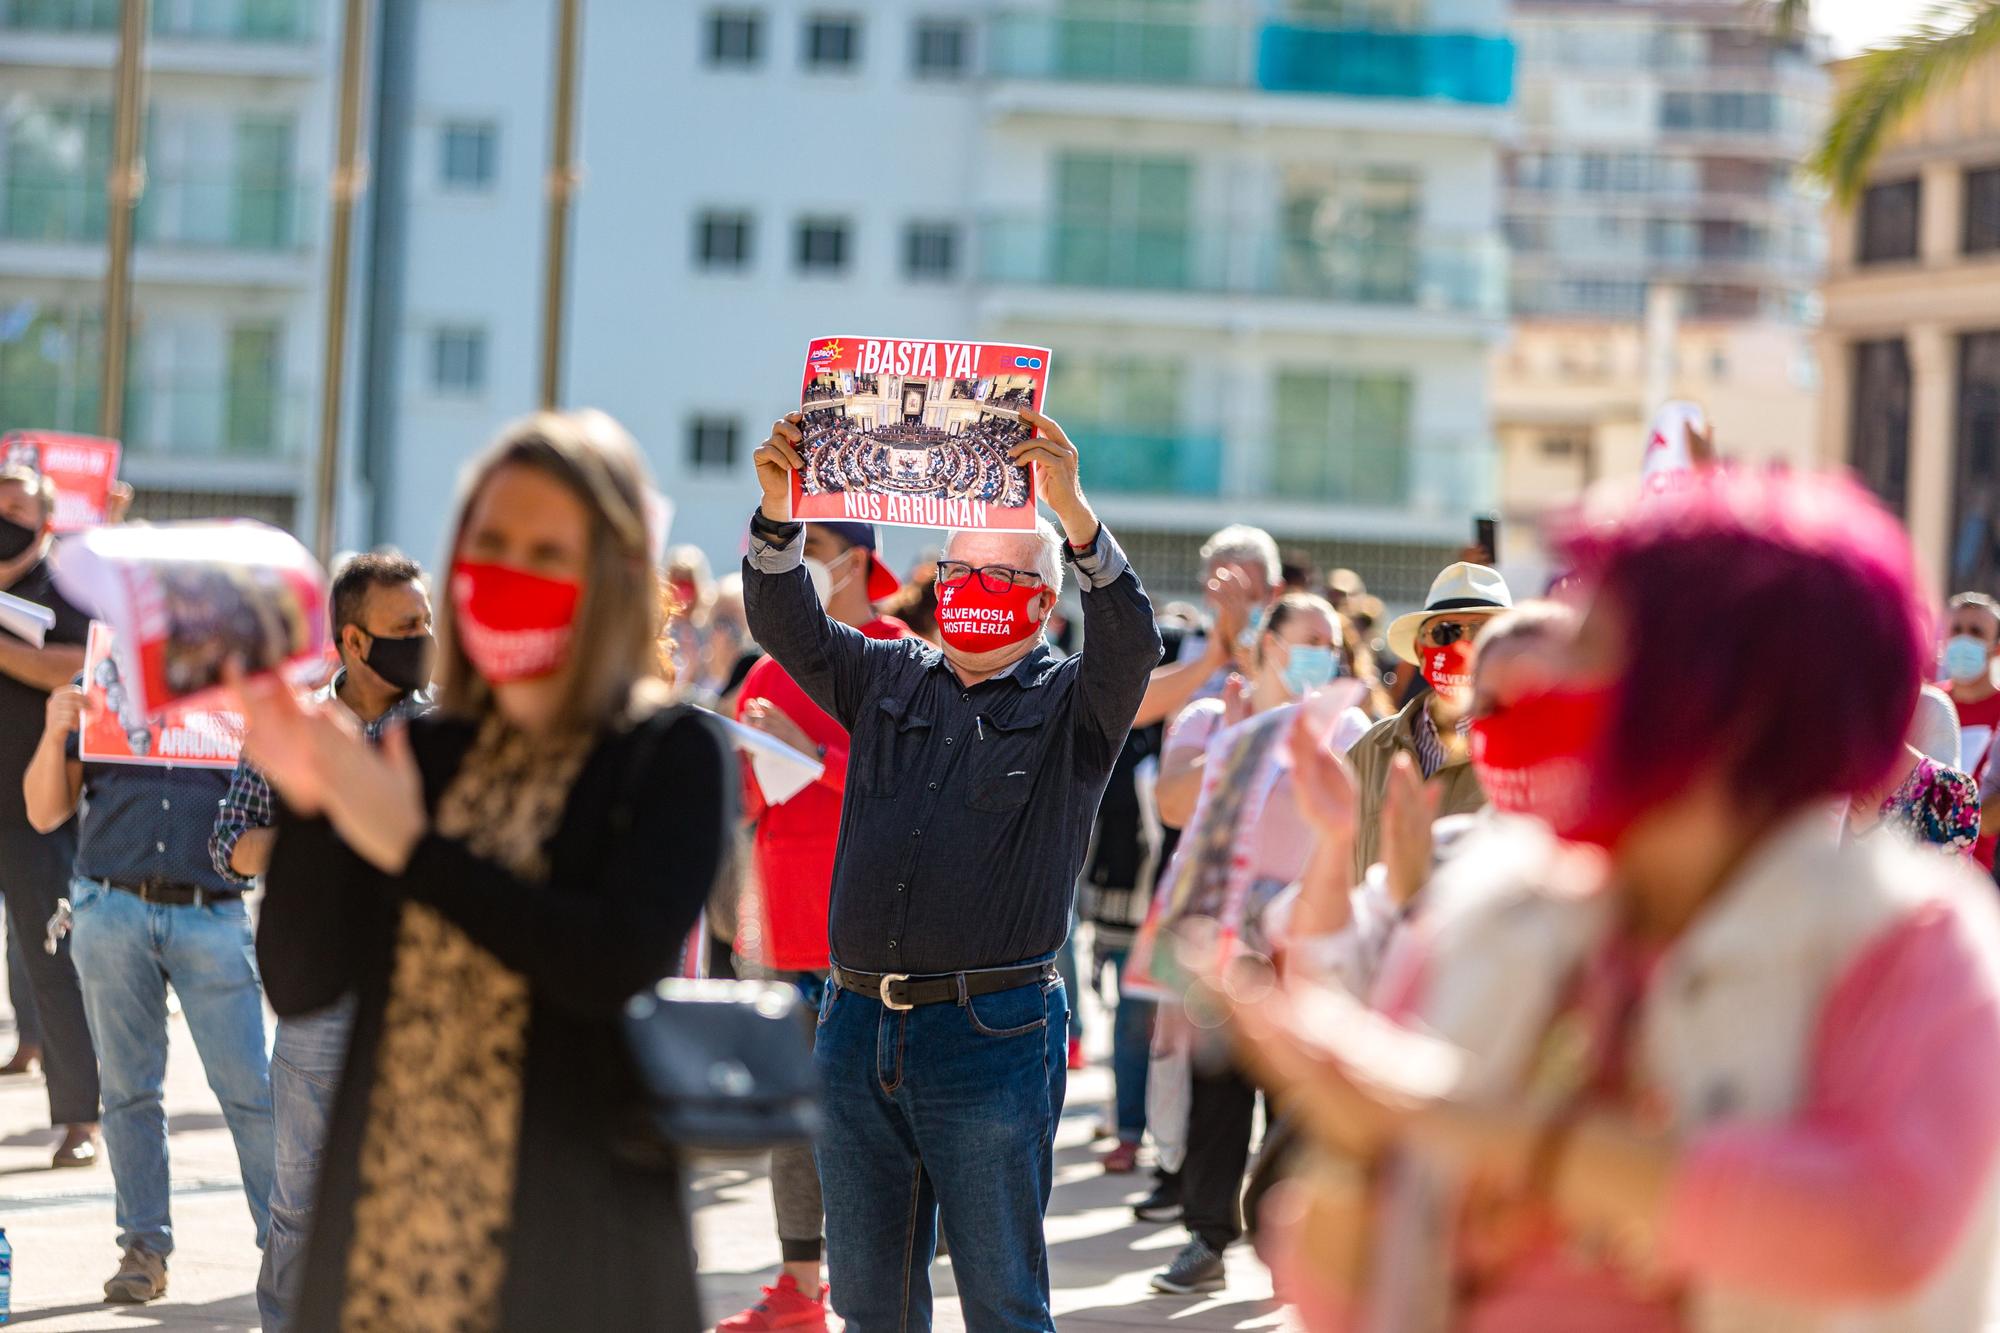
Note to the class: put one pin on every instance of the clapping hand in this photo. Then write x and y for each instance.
(316, 757)
(1409, 808)
(1322, 783)
(1230, 594)
(773, 721)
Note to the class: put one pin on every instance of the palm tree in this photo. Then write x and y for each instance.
(1891, 80)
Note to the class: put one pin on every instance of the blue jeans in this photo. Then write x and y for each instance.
(307, 1056)
(1131, 1050)
(126, 952)
(946, 1108)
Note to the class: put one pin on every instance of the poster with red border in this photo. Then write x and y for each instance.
(915, 433)
(113, 733)
(83, 467)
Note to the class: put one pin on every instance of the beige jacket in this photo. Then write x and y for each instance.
(1371, 757)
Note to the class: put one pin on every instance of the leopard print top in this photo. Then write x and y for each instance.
(438, 1155)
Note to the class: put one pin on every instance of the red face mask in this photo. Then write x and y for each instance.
(973, 620)
(1536, 757)
(1449, 669)
(513, 625)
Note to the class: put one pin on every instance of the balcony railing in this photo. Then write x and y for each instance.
(194, 20)
(1466, 275)
(185, 212)
(1125, 462)
(173, 418)
(1112, 46)
(1425, 477)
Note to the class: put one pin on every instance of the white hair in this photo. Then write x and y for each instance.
(1241, 544)
(1048, 550)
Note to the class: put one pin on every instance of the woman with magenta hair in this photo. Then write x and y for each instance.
(1670, 1052)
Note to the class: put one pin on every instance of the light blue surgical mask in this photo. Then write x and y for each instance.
(1964, 658)
(1308, 668)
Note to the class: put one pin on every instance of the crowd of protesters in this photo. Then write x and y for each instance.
(1586, 960)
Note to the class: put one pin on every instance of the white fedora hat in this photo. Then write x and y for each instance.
(1462, 590)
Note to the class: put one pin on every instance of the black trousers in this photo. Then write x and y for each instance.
(34, 872)
(1221, 1118)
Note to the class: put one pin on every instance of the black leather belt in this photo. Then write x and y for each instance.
(171, 893)
(899, 990)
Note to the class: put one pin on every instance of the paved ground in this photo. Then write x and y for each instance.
(63, 1233)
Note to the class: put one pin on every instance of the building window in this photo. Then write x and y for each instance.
(939, 48)
(458, 361)
(722, 240)
(470, 151)
(822, 245)
(1342, 436)
(712, 444)
(832, 43)
(1878, 437)
(930, 250)
(1887, 221)
(1975, 528)
(1563, 445)
(735, 37)
(1982, 210)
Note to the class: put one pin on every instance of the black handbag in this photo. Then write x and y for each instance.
(722, 1067)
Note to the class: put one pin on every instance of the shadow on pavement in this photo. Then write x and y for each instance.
(238, 1314)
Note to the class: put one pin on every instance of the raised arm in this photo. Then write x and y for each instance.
(1121, 640)
(830, 662)
(53, 782)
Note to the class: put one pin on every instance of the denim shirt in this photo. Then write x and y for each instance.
(968, 809)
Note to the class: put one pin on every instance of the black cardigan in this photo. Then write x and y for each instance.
(644, 835)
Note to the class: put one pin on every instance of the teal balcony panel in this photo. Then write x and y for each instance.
(1121, 462)
(174, 211)
(1448, 66)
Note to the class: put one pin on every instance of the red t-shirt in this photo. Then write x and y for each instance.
(796, 840)
(1977, 723)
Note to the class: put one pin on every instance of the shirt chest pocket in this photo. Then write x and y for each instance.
(898, 742)
(1006, 755)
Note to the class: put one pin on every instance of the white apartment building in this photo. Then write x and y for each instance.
(1662, 245)
(227, 265)
(1261, 239)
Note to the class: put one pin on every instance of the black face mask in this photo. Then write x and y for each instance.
(404, 663)
(14, 538)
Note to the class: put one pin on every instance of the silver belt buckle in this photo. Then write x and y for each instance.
(888, 979)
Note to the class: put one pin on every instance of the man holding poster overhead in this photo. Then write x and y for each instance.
(973, 776)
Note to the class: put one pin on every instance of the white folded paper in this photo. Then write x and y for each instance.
(782, 772)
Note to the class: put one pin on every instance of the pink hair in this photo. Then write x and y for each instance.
(1773, 631)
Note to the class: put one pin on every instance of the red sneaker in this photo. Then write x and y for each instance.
(1076, 1052)
(783, 1306)
(1121, 1160)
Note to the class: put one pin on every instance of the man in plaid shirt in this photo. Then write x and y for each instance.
(382, 629)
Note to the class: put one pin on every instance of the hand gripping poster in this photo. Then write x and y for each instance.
(916, 433)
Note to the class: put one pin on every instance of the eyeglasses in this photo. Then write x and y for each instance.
(993, 578)
(1446, 634)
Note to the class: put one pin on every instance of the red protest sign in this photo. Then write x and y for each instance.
(83, 467)
(915, 433)
(114, 733)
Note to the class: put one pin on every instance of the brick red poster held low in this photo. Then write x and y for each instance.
(113, 732)
(916, 433)
(83, 467)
